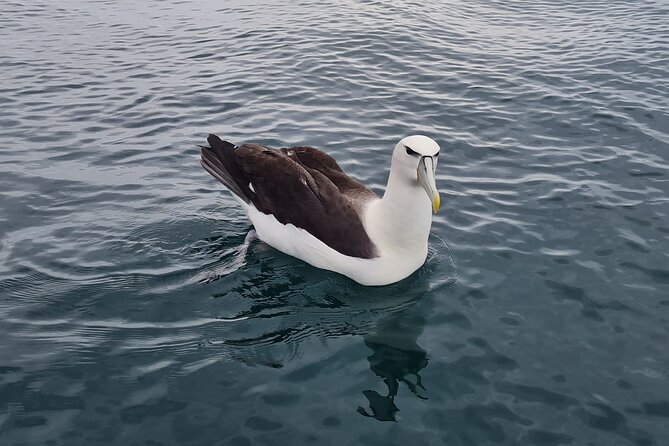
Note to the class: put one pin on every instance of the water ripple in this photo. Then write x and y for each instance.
(133, 308)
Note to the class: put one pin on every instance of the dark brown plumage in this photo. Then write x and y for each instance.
(299, 185)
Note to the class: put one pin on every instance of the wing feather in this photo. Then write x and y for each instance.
(307, 188)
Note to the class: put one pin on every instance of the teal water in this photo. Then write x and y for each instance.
(133, 313)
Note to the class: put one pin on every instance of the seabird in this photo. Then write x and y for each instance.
(302, 203)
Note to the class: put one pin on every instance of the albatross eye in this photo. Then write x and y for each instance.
(410, 152)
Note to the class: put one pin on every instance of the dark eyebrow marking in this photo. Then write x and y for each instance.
(410, 152)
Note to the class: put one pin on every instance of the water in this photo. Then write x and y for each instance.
(132, 311)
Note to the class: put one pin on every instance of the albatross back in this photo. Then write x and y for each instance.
(301, 186)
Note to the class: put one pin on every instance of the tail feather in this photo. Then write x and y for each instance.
(219, 161)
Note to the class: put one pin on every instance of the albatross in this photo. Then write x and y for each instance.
(301, 202)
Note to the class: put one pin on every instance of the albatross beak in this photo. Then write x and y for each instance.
(426, 179)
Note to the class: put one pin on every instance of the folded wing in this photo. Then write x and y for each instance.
(301, 186)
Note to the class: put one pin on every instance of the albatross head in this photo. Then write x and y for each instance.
(415, 158)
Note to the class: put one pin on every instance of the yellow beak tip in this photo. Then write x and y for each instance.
(436, 204)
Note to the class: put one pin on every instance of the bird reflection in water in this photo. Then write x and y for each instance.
(396, 359)
(286, 307)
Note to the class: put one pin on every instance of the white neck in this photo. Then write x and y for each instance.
(401, 220)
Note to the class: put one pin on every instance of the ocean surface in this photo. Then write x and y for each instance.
(132, 312)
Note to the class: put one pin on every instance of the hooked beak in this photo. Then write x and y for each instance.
(426, 179)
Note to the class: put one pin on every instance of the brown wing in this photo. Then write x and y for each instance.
(312, 158)
(305, 187)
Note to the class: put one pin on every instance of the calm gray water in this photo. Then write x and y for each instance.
(132, 312)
